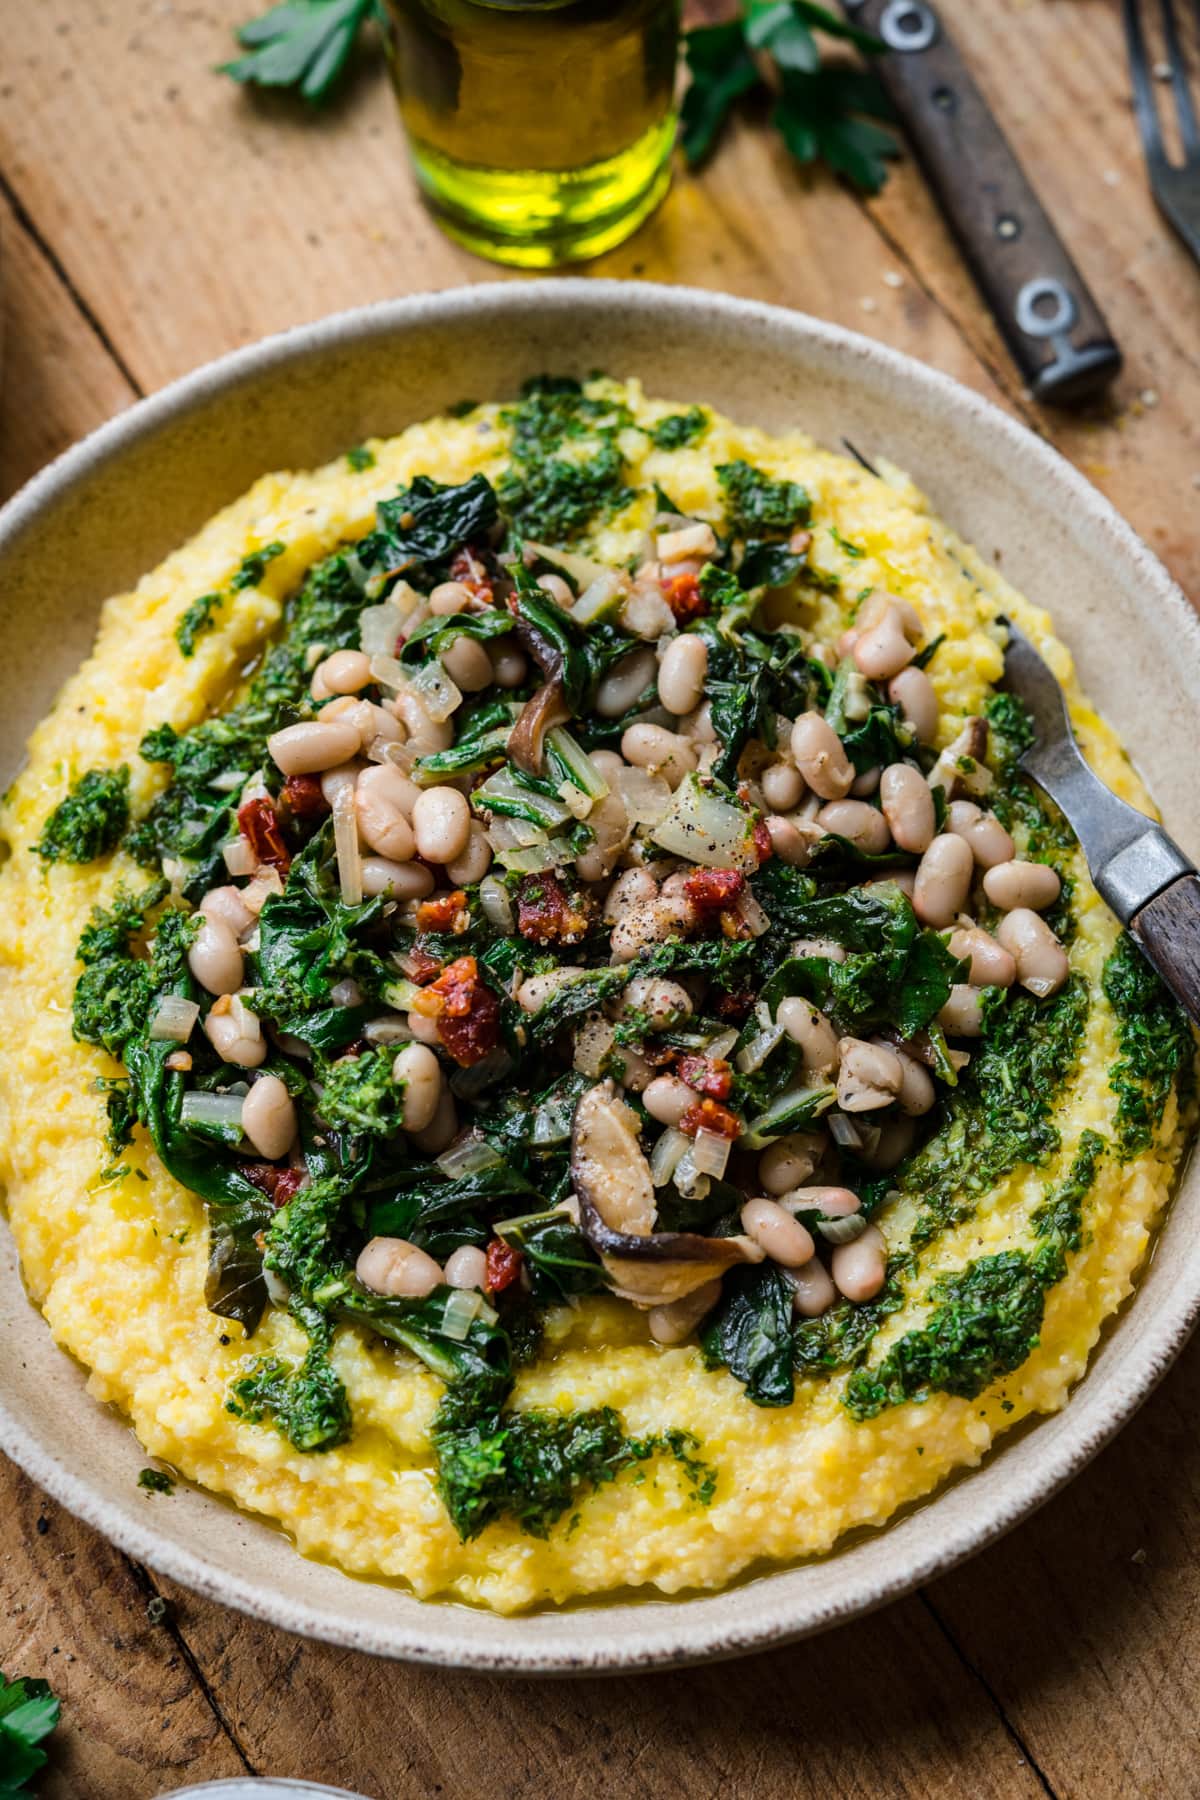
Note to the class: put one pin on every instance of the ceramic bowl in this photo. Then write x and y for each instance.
(112, 507)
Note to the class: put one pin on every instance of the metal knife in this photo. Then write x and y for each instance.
(1141, 872)
(1053, 327)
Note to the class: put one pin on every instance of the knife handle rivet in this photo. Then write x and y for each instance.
(945, 99)
(1008, 227)
(908, 26)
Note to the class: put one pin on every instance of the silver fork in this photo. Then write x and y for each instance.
(1176, 186)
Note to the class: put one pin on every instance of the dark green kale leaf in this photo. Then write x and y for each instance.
(305, 1401)
(579, 655)
(90, 821)
(309, 939)
(1157, 1046)
(751, 678)
(112, 996)
(199, 617)
(419, 531)
(750, 1333)
(558, 1258)
(985, 1324)
(549, 496)
(359, 1096)
(425, 1201)
(841, 1337)
(678, 429)
(438, 633)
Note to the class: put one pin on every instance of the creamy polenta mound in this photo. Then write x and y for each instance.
(548, 1047)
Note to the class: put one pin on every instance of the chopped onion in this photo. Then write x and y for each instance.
(462, 1309)
(599, 597)
(438, 694)
(388, 672)
(691, 1183)
(535, 859)
(707, 828)
(857, 700)
(467, 1083)
(665, 1156)
(581, 569)
(401, 995)
(221, 1112)
(594, 1037)
(174, 1019)
(843, 1230)
(345, 844)
(468, 1157)
(755, 1052)
(751, 914)
(238, 856)
(389, 1028)
(574, 799)
(646, 797)
(844, 1131)
(504, 833)
(720, 1046)
(228, 781)
(379, 629)
(552, 1121)
(710, 1153)
(496, 906)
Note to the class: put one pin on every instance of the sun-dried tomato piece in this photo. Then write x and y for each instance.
(682, 594)
(734, 1006)
(764, 847)
(548, 914)
(445, 912)
(422, 968)
(258, 823)
(709, 1115)
(710, 1075)
(503, 1266)
(279, 1185)
(304, 798)
(467, 568)
(466, 1010)
(712, 890)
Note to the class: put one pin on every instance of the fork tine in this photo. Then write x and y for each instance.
(1189, 132)
(1144, 108)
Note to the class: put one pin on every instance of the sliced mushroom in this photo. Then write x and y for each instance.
(960, 769)
(527, 739)
(617, 1211)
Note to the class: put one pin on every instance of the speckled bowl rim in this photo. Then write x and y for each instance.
(929, 1539)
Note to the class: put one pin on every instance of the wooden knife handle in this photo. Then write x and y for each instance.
(1053, 327)
(1168, 929)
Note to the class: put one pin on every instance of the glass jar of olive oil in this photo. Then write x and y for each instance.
(541, 130)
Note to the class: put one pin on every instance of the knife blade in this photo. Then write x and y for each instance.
(1054, 329)
(1141, 872)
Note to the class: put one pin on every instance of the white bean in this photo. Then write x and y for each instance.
(381, 821)
(315, 745)
(394, 1266)
(509, 663)
(334, 781)
(782, 786)
(858, 822)
(791, 840)
(558, 590)
(869, 1075)
(916, 1094)
(775, 1230)
(672, 1323)
(625, 683)
(883, 649)
(991, 964)
(450, 597)
(907, 802)
(818, 753)
(811, 1030)
(913, 692)
(666, 1099)
(665, 1003)
(660, 751)
(681, 674)
(860, 1268)
(943, 881)
(345, 672)
(982, 832)
(424, 734)
(1041, 961)
(468, 664)
(534, 993)
(442, 823)
(423, 1028)
(813, 1292)
(1012, 884)
(235, 1033)
(961, 1015)
(631, 888)
(650, 922)
(401, 881)
(789, 1161)
(227, 905)
(214, 958)
(269, 1117)
(442, 1129)
(421, 1074)
(466, 1267)
(475, 861)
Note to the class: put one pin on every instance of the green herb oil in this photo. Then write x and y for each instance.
(541, 132)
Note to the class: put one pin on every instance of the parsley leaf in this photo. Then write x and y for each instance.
(90, 821)
(28, 1714)
(302, 44)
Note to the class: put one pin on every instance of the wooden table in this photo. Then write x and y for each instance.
(154, 216)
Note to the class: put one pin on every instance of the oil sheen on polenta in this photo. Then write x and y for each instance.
(119, 1269)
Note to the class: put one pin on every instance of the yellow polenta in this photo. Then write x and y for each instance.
(118, 1267)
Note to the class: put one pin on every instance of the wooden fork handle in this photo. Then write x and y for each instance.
(1168, 929)
(1053, 327)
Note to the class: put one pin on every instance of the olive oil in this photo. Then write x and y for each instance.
(541, 130)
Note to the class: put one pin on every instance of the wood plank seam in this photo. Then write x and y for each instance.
(26, 223)
(994, 1699)
(170, 1623)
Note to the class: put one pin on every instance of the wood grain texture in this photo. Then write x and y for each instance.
(1169, 928)
(154, 216)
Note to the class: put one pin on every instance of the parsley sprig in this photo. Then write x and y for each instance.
(301, 44)
(824, 112)
(28, 1714)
